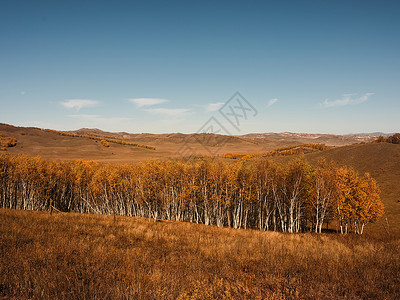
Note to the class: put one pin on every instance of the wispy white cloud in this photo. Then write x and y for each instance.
(214, 106)
(168, 112)
(272, 102)
(79, 103)
(347, 99)
(140, 102)
(145, 104)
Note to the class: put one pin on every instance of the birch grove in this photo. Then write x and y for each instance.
(257, 193)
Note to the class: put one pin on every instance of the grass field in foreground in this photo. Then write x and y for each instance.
(74, 256)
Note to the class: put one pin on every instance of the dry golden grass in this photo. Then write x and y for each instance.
(73, 256)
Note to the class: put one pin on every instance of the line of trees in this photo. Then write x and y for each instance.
(286, 151)
(257, 193)
(102, 139)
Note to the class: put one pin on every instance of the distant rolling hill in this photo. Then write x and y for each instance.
(52, 145)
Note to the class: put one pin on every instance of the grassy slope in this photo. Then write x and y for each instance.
(72, 256)
(50, 145)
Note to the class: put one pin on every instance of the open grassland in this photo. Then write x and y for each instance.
(77, 256)
(89, 144)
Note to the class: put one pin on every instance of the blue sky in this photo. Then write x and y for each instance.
(168, 66)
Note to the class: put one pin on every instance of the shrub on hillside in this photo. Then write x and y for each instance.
(394, 139)
(105, 143)
(6, 142)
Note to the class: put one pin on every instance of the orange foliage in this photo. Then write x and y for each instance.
(286, 151)
(233, 155)
(246, 194)
(6, 142)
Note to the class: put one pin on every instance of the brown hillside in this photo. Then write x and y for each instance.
(50, 145)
